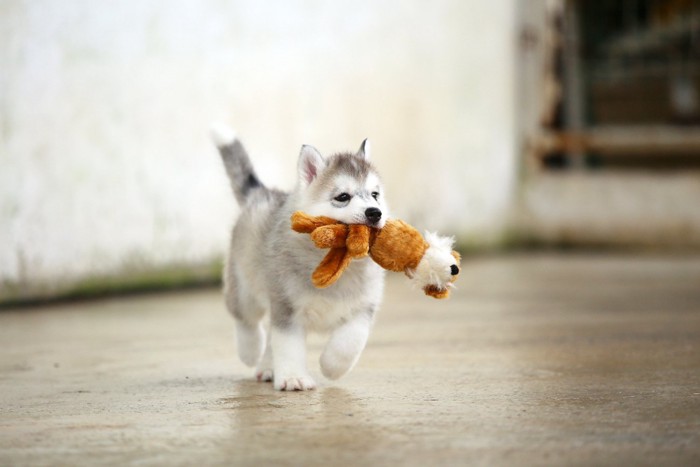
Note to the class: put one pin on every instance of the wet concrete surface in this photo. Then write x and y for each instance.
(537, 359)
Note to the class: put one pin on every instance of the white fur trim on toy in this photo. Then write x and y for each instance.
(435, 267)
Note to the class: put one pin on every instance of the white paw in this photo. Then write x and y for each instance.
(345, 346)
(294, 383)
(335, 364)
(264, 375)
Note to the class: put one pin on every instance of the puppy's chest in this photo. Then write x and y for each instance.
(325, 309)
(320, 313)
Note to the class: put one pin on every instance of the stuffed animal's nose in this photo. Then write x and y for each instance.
(373, 214)
(454, 269)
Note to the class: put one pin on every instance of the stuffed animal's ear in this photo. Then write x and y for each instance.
(436, 292)
(364, 151)
(310, 164)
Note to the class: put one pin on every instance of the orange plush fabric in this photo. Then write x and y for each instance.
(397, 247)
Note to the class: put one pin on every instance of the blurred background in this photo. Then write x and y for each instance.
(509, 124)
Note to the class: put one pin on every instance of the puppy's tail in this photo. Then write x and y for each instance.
(238, 167)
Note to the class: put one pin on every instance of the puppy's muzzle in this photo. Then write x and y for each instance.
(373, 215)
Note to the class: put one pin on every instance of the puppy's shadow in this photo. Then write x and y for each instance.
(339, 400)
(328, 413)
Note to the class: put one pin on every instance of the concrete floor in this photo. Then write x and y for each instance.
(538, 359)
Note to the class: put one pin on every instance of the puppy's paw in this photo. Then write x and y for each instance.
(335, 364)
(264, 375)
(294, 383)
(345, 346)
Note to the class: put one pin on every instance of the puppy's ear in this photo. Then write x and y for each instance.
(364, 151)
(310, 164)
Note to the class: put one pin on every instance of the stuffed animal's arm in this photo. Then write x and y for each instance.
(329, 233)
(303, 223)
(353, 237)
(344, 241)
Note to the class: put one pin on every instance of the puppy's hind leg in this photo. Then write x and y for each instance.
(265, 369)
(250, 339)
(250, 333)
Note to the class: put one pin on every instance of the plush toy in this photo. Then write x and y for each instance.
(430, 262)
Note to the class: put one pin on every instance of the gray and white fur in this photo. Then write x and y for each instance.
(269, 266)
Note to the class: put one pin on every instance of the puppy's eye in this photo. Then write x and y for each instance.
(375, 195)
(343, 198)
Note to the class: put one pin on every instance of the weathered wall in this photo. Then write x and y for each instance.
(105, 165)
(590, 207)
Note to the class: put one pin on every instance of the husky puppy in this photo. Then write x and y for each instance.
(269, 266)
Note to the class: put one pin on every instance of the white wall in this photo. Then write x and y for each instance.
(105, 165)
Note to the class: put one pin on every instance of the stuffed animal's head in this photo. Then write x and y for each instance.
(345, 187)
(438, 268)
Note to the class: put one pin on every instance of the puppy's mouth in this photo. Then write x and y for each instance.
(374, 224)
(374, 220)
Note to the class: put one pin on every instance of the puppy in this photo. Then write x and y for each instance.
(269, 266)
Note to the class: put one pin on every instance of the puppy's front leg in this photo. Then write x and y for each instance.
(289, 355)
(345, 345)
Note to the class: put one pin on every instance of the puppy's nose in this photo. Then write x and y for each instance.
(454, 269)
(373, 215)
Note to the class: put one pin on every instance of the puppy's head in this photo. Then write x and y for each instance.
(345, 187)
